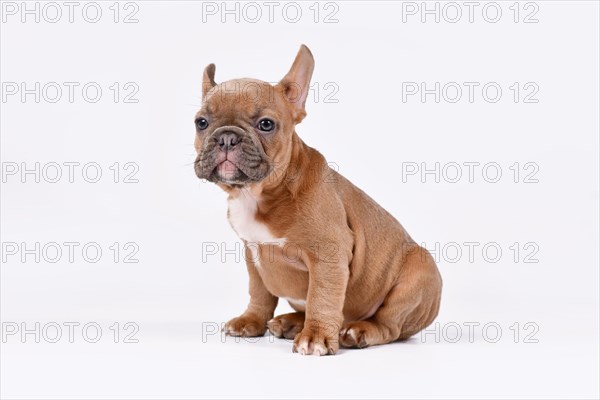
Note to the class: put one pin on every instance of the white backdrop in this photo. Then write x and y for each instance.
(517, 96)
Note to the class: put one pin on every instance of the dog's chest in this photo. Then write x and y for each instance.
(242, 217)
(281, 269)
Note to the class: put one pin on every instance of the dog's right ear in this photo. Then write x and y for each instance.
(208, 79)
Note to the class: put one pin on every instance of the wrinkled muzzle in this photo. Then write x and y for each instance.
(233, 156)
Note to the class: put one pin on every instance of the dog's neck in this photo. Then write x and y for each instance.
(304, 168)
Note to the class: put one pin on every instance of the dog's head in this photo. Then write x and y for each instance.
(244, 128)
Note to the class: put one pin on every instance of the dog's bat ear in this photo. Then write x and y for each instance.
(296, 82)
(208, 79)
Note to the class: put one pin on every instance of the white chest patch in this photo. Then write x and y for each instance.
(242, 217)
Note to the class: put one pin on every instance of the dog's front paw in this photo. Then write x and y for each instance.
(317, 338)
(246, 325)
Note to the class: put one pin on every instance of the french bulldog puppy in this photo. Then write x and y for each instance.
(349, 269)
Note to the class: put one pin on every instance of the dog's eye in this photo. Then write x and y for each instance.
(266, 125)
(201, 123)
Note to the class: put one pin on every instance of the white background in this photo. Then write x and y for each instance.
(177, 292)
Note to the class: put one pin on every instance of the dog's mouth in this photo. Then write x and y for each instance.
(227, 169)
(236, 165)
(229, 173)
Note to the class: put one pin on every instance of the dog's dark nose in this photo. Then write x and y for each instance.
(227, 140)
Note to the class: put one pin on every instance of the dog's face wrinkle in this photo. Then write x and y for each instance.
(258, 152)
(250, 158)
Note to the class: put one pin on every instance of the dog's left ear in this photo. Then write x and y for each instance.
(208, 79)
(296, 83)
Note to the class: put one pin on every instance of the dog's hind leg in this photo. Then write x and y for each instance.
(286, 325)
(410, 306)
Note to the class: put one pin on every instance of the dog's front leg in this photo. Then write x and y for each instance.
(324, 308)
(253, 322)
